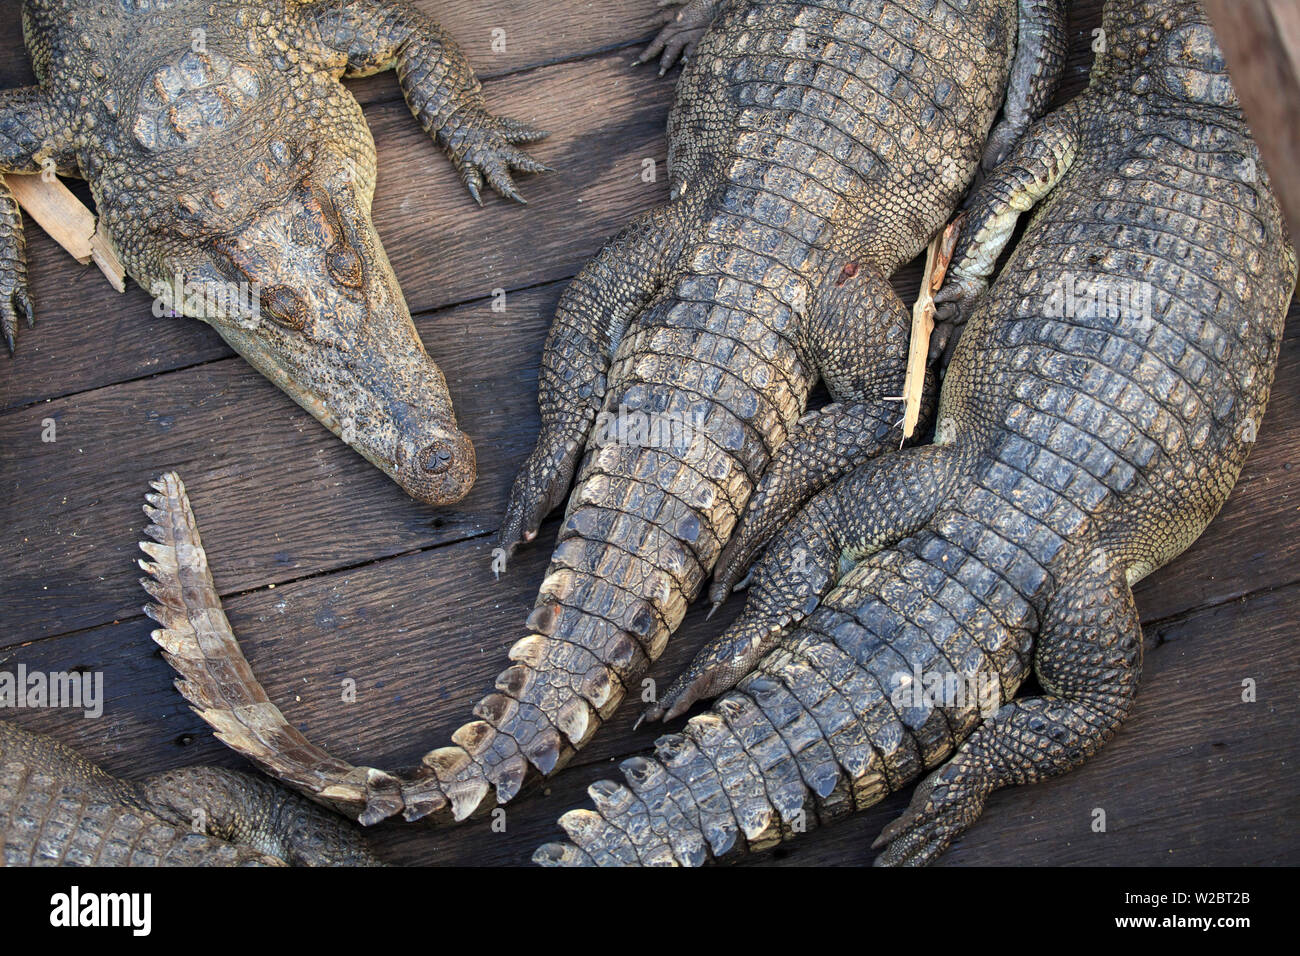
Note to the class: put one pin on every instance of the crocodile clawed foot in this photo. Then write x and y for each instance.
(998, 146)
(541, 486)
(732, 573)
(942, 807)
(485, 149)
(684, 693)
(947, 329)
(954, 304)
(683, 30)
(13, 306)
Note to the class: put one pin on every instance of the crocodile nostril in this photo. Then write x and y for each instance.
(436, 458)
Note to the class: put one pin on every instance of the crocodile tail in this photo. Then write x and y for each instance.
(620, 580)
(752, 771)
(216, 679)
(825, 724)
(602, 616)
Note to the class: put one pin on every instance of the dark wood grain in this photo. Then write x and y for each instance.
(330, 573)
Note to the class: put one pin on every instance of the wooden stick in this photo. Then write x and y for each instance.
(937, 260)
(69, 223)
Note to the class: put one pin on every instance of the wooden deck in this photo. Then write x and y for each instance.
(330, 572)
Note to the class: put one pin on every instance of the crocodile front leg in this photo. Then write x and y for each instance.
(682, 33)
(1029, 174)
(1088, 657)
(1041, 47)
(29, 134)
(369, 36)
(590, 319)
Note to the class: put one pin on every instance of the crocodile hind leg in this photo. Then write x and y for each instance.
(1041, 46)
(858, 337)
(251, 811)
(682, 33)
(29, 134)
(368, 36)
(1088, 657)
(882, 502)
(594, 311)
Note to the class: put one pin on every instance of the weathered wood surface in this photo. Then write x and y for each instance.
(330, 573)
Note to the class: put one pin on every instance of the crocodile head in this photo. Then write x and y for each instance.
(287, 266)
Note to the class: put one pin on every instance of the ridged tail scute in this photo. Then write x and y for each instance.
(825, 724)
(737, 779)
(644, 524)
(590, 639)
(217, 680)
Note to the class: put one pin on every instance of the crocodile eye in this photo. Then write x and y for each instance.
(344, 266)
(285, 307)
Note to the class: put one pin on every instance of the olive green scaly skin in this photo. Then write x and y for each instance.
(58, 809)
(814, 147)
(1077, 449)
(227, 160)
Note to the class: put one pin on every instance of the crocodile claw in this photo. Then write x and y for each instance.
(954, 304)
(15, 304)
(540, 488)
(684, 693)
(943, 806)
(681, 33)
(485, 150)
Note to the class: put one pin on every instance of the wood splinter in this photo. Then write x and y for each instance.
(937, 260)
(68, 222)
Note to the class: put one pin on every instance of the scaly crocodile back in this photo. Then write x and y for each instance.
(805, 136)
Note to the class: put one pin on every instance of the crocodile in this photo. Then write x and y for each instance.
(1101, 400)
(814, 148)
(59, 809)
(234, 174)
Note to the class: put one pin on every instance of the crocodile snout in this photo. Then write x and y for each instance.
(439, 473)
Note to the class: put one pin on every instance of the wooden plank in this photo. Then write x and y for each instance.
(605, 117)
(273, 486)
(1261, 43)
(69, 222)
(1195, 777)
(277, 485)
